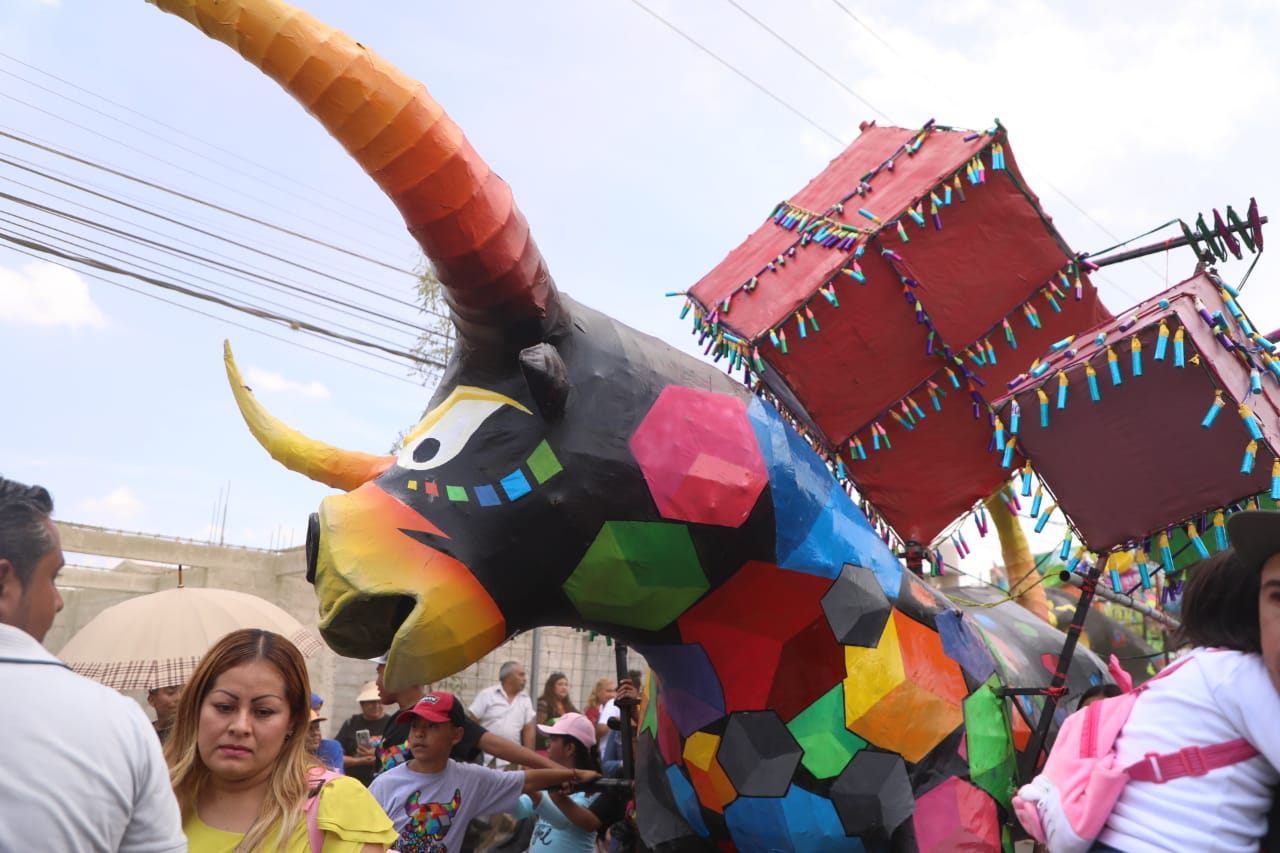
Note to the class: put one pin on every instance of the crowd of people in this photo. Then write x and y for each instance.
(235, 760)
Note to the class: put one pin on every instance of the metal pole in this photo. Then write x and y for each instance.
(625, 727)
(1172, 243)
(535, 666)
(1077, 580)
(1031, 758)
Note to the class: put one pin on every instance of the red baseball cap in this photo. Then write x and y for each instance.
(435, 708)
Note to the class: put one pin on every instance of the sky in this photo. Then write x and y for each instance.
(639, 155)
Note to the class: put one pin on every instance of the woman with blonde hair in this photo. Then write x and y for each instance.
(239, 763)
(600, 694)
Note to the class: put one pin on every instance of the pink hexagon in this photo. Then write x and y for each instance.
(957, 816)
(699, 456)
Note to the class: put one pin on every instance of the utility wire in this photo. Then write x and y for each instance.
(201, 259)
(115, 199)
(229, 166)
(1036, 174)
(709, 52)
(217, 300)
(112, 253)
(221, 209)
(257, 331)
(150, 156)
(800, 53)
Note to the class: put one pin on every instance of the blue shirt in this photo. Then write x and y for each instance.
(330, 754)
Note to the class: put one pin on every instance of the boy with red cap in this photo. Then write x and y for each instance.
(432, 798)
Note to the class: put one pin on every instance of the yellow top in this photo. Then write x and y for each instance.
(349, 816)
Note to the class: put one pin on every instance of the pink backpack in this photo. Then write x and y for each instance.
(1067, 805)
(315, 835)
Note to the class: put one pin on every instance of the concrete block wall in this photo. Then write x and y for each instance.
(149, 564)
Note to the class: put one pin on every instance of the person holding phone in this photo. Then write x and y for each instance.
(361, 733)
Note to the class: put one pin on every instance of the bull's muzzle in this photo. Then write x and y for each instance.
(383, 590)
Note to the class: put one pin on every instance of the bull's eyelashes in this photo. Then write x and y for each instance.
(445, 430)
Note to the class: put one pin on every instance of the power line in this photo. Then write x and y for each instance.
(709, 52)
(149, 155)
(112, 253)
(232, 167)
(217, 300)
(798, 52)
(253, 330)
(360, 311)
(203, 260)
(219, 208)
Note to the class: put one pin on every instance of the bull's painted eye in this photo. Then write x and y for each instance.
(446, 429)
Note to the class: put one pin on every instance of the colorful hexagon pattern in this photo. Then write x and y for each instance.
(956, 816)
(856, 607)
(827, 745)
(904, 694)
(758, 754)
(873, 795)
(699, 456)
(800, 822)
(714, 789)
(637, 573)
(758, 659)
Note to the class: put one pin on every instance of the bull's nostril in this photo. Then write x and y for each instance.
(313, 546)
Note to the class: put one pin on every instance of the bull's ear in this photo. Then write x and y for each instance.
(547, 378)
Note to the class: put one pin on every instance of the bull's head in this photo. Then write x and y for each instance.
(427, 554)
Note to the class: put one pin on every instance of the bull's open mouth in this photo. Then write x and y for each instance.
(364, 626)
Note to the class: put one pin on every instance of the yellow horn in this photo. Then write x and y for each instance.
(1019, 563)
(324, 463)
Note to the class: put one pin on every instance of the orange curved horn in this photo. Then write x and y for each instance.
(460, 212)
(324, 463)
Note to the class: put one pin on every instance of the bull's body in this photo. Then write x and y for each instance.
(814, 696)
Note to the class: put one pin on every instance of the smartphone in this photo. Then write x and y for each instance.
(363, 739)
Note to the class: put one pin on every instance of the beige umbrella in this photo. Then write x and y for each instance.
(156, 640)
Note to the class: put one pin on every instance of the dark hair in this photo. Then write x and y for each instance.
(1104, 691)
(24, 536)
(584, 757)
(1220, 605)
(547, 701)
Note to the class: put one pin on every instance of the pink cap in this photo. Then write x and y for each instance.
(575, 726)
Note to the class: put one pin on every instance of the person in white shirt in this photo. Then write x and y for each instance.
(610, 711)
(83, 765)
(1221, 691)
(505, 709)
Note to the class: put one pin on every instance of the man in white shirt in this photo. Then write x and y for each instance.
(505, 709)
(83, 765)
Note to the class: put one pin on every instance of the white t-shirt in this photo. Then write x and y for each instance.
(82, 764)
(503, 717)
(608, 711)
(431, 810)
(1215, 697)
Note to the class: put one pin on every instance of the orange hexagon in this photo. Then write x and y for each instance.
(905, 694)
(713, 787)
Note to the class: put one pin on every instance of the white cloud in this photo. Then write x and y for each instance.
(45, 294)
(116, 506)
(266, 380)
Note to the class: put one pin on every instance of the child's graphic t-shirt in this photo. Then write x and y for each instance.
(431, 810)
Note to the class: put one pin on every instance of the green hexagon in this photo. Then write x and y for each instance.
(637, 573)
(990, 742)
(820, 731)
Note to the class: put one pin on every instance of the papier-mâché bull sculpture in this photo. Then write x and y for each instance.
(814, 696)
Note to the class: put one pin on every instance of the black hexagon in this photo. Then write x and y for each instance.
(758, 754)
(872, 795)
(856, 607)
